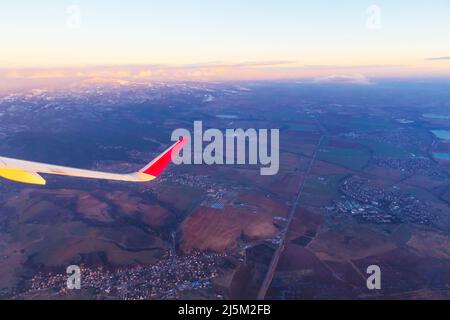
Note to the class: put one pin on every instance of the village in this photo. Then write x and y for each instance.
(166, 279)
(368, 203)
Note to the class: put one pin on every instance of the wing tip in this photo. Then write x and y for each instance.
(157, 166)
(22, 176)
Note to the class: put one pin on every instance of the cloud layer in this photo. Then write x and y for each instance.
(438, 58)
(358, 79)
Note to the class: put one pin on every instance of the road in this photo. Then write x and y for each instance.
(276, 257)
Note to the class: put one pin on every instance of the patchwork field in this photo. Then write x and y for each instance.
(223, 229)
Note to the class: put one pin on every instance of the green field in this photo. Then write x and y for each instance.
(350, 158)
(359, 124)
(304, 127)
(381, 149)
(324, 185)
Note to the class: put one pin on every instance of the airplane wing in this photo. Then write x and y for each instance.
(29, 172)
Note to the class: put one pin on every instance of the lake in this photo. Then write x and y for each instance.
(435, 116)
(226, 116)
(441, 156)
(442, 134)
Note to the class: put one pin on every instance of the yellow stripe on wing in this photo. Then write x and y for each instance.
(22, 176)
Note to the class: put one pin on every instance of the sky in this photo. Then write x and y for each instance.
(212, 39)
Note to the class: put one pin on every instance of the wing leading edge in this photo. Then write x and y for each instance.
(29, 172)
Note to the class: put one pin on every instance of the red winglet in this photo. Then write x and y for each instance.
(158, 165)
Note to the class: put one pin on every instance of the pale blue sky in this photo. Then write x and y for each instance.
(35, 33)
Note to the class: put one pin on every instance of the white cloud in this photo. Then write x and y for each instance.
(358, 79)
